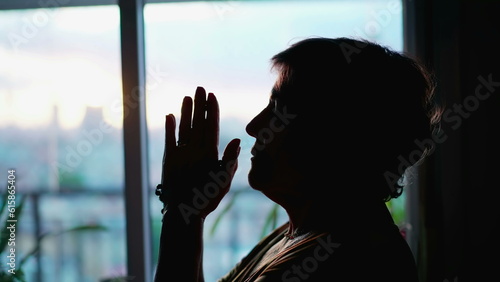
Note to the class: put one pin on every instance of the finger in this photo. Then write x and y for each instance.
(212, 126)
(198, 115)
(169, 142)
(230, 155)
(169, 132)
(185, 123)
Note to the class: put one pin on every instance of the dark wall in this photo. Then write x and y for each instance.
(459, 201)
(481, 203)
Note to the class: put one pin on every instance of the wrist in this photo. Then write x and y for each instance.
(182, 214)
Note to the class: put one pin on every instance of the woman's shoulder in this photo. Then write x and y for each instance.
(325, 256)
(247, 264)
(328, 255)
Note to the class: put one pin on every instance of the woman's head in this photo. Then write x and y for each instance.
(359, 109)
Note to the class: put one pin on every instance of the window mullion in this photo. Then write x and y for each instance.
(135, 140)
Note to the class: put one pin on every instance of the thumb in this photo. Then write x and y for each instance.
(231, 153)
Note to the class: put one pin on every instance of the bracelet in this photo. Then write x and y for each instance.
(159, 193)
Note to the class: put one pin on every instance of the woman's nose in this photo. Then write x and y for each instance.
(255, 124)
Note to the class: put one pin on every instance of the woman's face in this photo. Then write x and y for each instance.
(271, 171)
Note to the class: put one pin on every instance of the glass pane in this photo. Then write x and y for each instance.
(226, 47)
(60, 122)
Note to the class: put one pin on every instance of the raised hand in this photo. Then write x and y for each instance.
(194, 179)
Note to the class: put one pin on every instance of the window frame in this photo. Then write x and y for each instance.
(136, 192)
(137, 189)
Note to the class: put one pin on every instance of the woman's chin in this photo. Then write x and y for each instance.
(257, 180)
(253, 182)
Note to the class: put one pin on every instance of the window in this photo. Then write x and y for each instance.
(61, 115)
(61, 132)
(226, 47)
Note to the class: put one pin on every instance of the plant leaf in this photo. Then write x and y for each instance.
(40, 238)
(271, 220)
(4, 202)
(19, 276)
(224, 212)
(5, 233)
(90, 227)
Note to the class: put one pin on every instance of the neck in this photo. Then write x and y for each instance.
(311, 215)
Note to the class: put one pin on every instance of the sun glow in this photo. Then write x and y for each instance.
(47, 85)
